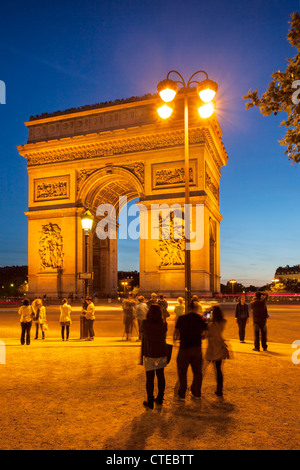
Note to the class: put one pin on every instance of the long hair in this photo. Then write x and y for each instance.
(217, 314)
(154, 314)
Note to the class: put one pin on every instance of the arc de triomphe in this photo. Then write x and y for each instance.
(93, 155)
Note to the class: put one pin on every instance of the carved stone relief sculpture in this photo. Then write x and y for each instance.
(51, 247)
(171, 243)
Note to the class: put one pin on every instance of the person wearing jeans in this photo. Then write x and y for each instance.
(190, 328)
(26, 314)
(40, 317)
(90, 317)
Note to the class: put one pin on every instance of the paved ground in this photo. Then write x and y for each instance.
(88, 395)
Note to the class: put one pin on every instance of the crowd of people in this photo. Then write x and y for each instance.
(149, 318)
(191, 328)
(35, 313)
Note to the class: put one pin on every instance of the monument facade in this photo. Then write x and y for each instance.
(82, 158)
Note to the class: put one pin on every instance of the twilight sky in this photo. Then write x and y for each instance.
(63, 54)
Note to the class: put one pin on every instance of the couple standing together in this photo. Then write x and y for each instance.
(190, 328)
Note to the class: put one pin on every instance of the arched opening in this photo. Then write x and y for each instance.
(119, 189)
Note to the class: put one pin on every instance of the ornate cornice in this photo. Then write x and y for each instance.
(105, 148)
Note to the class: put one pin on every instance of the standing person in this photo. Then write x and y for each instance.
(128, 307)
(65, 319)
(164, 306)
(242, 317)
(83, 321)
(40, 317)
(190, 328)
(90, 317)
(179, 308)
(216, 350)
(153, 299)
(141, 310)
(260, 315)
(154, 351)
(26, 315)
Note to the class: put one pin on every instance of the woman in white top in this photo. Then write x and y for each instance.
(26, 314)
(65, 319)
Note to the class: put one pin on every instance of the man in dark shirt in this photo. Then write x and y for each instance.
(260, 315)
(189, 329)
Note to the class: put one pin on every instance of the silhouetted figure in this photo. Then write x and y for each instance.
(216, 350)
(242, 317)
(154, 351)
(260, 315)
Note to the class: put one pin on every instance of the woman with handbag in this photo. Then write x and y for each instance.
(39, 318)
(155, 354)
(216, 348)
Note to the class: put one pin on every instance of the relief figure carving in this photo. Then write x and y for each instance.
(51, 247)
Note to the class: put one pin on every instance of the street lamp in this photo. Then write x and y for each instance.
(232, 282)
(124, 284)
(86, 224)
(167, 90)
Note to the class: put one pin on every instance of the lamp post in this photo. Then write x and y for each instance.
(87, 224)
(206, 89)
(124, 284)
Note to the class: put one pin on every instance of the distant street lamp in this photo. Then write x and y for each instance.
(232, 282)
(206, 89)
(124, 284)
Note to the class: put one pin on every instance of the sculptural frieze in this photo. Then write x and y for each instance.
(51, 247)
(171, 244)
(51, 188)
(114, 147)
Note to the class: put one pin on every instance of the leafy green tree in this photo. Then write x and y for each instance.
(283, 94)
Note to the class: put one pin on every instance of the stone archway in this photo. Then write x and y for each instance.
(85, 157)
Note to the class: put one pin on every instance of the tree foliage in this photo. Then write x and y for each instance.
(281, 95)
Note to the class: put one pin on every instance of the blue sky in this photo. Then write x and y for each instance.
(62, 54)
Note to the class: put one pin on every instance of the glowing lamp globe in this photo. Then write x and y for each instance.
(206, 110)
(167, 90)
(165, 111)
(87, 221)
(207, 90)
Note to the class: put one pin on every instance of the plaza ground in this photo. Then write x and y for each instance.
(88, 395)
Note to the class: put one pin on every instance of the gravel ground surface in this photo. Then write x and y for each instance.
(88, 395)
